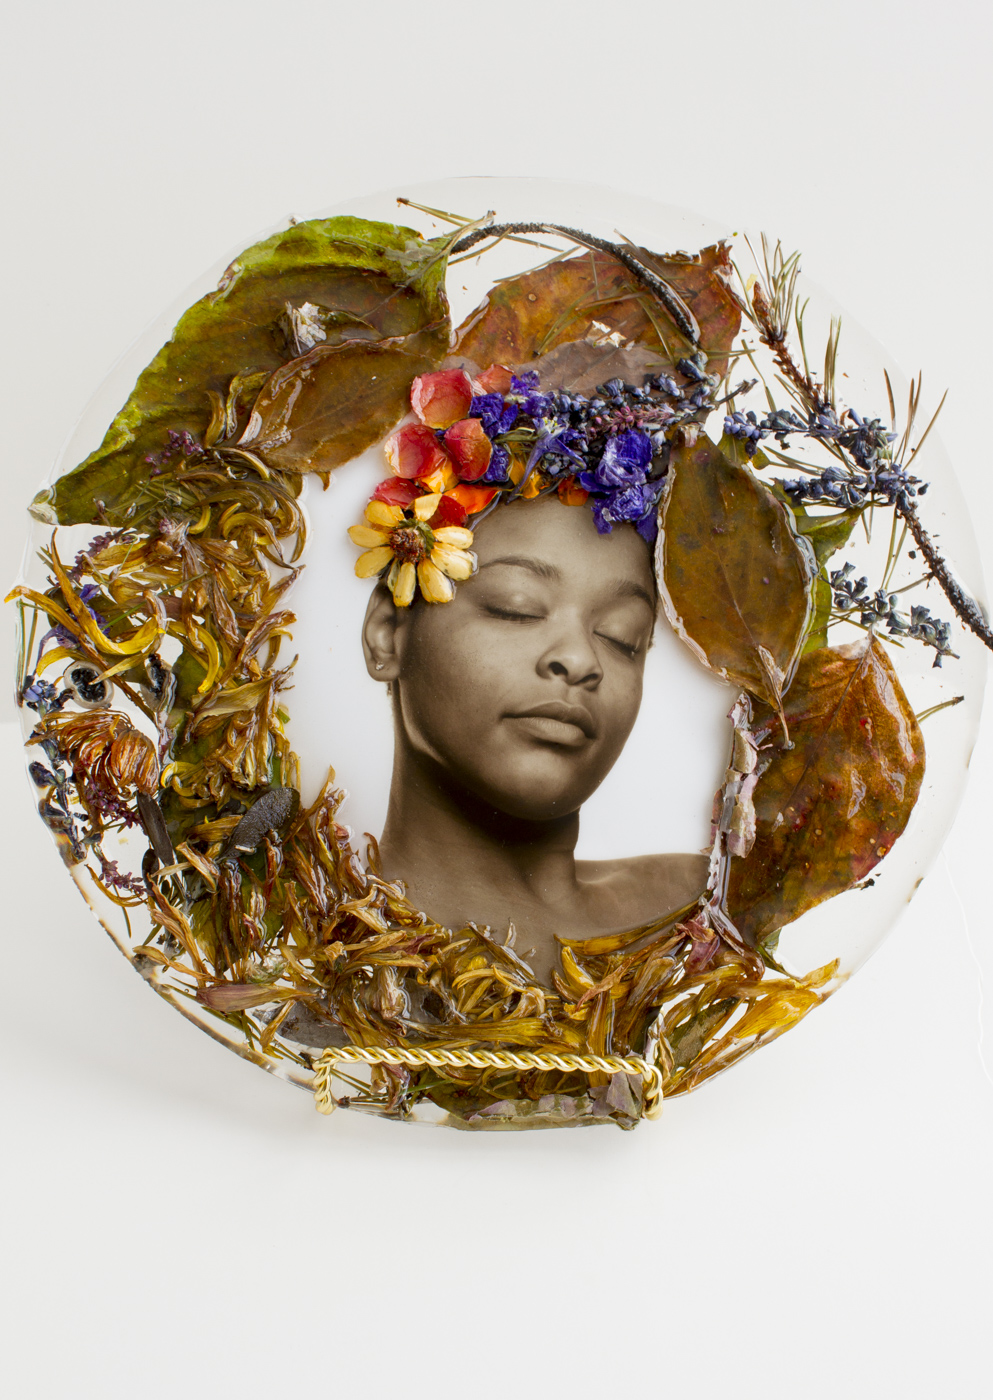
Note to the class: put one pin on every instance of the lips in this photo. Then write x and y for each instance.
(558, 722)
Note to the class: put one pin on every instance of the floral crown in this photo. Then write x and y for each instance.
(496, 437)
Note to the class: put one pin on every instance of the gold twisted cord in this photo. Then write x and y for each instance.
(650, 1074)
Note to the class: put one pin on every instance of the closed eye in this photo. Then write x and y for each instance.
(512, 614)
(628, 649)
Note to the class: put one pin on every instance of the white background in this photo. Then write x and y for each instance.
(815, 1223)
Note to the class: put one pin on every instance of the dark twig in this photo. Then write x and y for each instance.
(965, 607)
(673, 303)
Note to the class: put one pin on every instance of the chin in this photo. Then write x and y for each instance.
(541, 792)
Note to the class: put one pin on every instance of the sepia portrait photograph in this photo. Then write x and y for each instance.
(538, 754)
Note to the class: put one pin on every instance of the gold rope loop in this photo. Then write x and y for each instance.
(650, 1074)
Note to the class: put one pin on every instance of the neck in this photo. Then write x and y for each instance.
(462, 859)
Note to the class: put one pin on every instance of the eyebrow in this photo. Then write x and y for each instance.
(627, 588)
(524, 561)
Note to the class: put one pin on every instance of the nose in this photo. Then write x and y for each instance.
(572, 657)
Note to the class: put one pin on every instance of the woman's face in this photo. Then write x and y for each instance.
(524, 688)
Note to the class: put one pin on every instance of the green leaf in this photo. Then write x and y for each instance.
(376, 279)
(734, 448)
(828, 809)
(736, 584)
(819, 618)
(826, 533)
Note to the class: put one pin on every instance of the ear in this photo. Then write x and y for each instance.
(384, 622)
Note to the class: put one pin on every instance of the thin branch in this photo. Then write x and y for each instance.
(965, 607)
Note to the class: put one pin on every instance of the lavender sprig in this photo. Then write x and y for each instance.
(852, 595)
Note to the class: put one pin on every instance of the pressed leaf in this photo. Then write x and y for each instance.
(736, 583)
(818, 625)
(826, 533)
(351, 274)
(829, 808)
(594, 297)
(580, 366)
(326, 407)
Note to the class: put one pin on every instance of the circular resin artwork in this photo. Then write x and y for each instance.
(499, 652)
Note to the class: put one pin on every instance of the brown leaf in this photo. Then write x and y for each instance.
(736, 584)
(828, 809)
(581, 365)
(592, 296)
(327, 406)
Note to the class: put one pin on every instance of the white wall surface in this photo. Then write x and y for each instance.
(815, 1223)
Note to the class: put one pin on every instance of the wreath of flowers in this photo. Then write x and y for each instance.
(167, 627)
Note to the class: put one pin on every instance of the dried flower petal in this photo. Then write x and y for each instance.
(455, 536)
(413, 451)
(571, 493)
(472, 498)
(449, 512)
(435, 587)
(379, 513)
(456, 563)
(442, 398)
(495, 380)
(396, 491)
(443, 478)
(404, 584)
(471, 449)
(367, 536)
(373, 562)
(425, 506)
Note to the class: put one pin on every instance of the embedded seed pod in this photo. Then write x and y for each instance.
(88, 690)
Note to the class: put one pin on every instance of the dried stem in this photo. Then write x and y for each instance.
(965, 607)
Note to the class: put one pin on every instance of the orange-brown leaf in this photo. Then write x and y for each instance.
(828, 809)
(525, 317)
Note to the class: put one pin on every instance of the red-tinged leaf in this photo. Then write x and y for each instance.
(828, 809)
(473, 498)
(449, 512)
(414, 452)
(495, 380)
(442, 398)
(595, 297)
(736, 584)
(396, 491)
(470, 448)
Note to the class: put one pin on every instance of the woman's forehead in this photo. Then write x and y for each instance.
(557, 541)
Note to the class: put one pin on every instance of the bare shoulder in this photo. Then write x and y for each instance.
(648, 885)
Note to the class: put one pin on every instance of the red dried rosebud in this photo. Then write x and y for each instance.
(396, 491)
(470, 448)
(495, 380)
(449, 512)
(442, 398)
(414, 451)
(473, 498)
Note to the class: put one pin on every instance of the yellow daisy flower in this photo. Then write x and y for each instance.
(412, 552)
